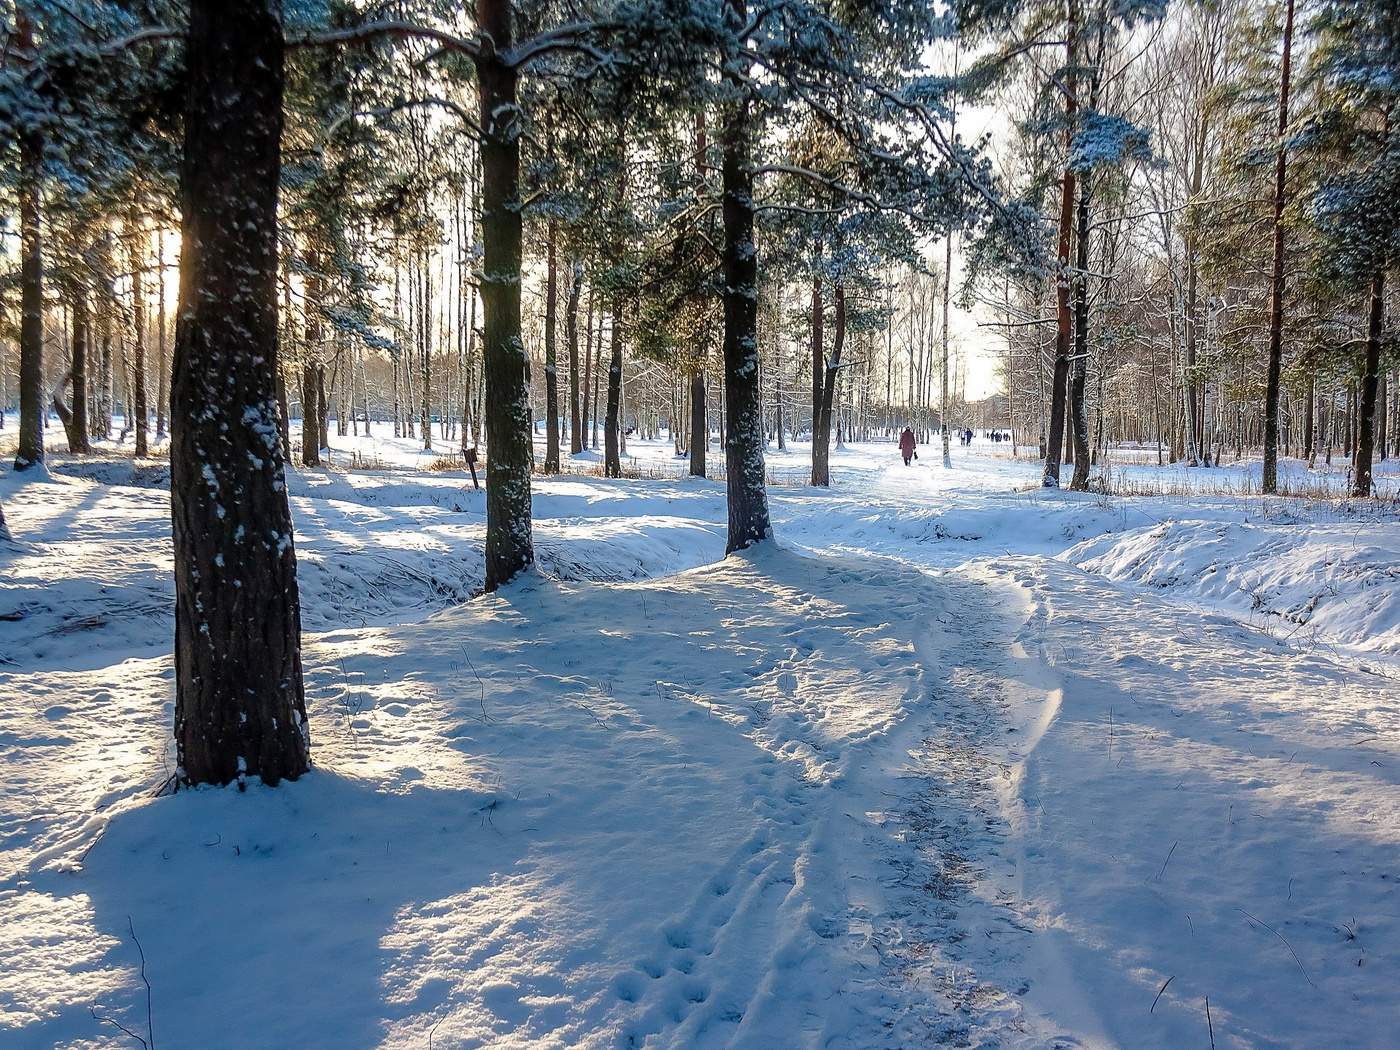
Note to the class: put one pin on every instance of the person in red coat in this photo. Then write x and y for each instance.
(906, 446)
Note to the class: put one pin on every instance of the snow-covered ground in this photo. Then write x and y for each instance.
(957, 762)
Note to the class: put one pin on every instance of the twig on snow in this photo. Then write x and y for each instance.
(148, 1043)
(1165, 863)
(480, 684)
(1281, 937)
(150, 1026)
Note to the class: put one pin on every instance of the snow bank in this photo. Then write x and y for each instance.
(1205, 824)
(1321, 582)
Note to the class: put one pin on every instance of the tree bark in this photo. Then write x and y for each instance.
(943, 383)
(585, 413)
(162, 359)
(612, 459)
(139, 401)
(1059, 386)
(551, 366)
(571, 336)
(239, 707)
(1370, 381)
(699, 424)
(1079, 421)
(102, 426)
(310, 398)
(82, 342)
(826, 395)
(818, 349)
(1309, 425)
(1271, 389)
(505, 368)
(746, 479)
(31, 331)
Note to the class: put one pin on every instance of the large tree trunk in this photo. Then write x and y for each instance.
(238, 687)
(31, 288)
(743, 438)
(1370, 381)
(699, 424)
(826, 397)
(1276, 276)
(612, 426)
(571, 336)
(551, 366)
(505, 368)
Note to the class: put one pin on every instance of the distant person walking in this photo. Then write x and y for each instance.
(906, 446)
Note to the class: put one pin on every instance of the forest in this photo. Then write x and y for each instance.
(351, 351)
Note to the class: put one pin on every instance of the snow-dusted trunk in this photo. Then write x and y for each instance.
(826, 396)
(238, 687)
(699, 424)
(551, 364)
(743, 438)
(612, 426)
(31, 286)
(1370, 380)
(571, 337)
(505, 368)
(1276, 275)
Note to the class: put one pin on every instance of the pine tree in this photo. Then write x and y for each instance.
(239, 709)
(1358, 61)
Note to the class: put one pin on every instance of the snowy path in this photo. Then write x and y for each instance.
(682, 812)
(871, 794)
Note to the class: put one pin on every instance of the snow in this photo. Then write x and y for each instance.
(958, 761)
